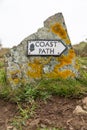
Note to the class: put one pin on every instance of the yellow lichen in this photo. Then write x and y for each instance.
(36, 61)
(63, 61)
(35, 70)
(66, 60)
(67, 73)
(62, 74)
(77, 66)
(36, 67)
(59, 30)
(14, 76)
(14, 72)
(67, 41)
(16, 81)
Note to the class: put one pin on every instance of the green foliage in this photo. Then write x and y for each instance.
(18, 123)
(5, 92)
(25, 112)
(2, 76)
(83, 68)
(48, 87)
(69, 87)
(82, 61)
(28, 93)
(1, 64)
(81, 48)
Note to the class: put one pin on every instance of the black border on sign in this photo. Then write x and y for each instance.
(46, 40)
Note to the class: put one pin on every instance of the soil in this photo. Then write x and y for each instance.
(56, 112)
(7, 112)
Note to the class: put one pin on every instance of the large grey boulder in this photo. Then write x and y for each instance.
(22, 69)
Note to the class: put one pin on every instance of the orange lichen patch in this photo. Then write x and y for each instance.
(59, 30)
(37, 61)
(52, 74)
(67, 73)
(66, 60)
(71, 53)
(63, 61)
(63, 74)
(67, 41)
(35, 71)
(36, 67)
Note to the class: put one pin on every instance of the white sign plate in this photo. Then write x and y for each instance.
(46, 47)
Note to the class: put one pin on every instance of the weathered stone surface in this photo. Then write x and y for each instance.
(22, 69)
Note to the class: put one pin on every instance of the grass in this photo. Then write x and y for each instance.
(82, 61)
(83, 67)
(46, 87)
(2, 76)
(1, 64)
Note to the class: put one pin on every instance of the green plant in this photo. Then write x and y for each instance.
(48, 87)
(1, 64)
(2, 76)
(5, 92)
(28, 111)
(69, 87)
(18, 123)
(82, 61)
(83, 67)
(25, 112)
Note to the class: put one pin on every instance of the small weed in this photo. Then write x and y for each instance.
(28, 111)
(18, 122)
(24, 114)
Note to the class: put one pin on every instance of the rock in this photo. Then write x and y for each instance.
(14, 128)
(23, 69)
(34, 123)
(84, 101)
(11, 128)
(78, 110)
